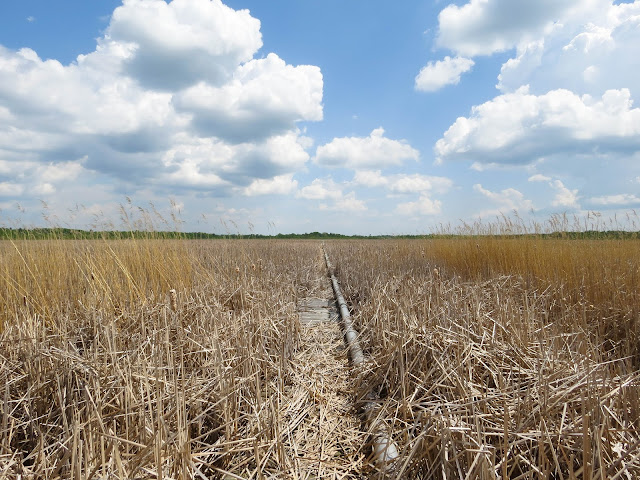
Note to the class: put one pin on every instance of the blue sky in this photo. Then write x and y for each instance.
(364, 117)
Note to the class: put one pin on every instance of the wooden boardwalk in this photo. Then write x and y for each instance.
(313, 310)
(323, 434)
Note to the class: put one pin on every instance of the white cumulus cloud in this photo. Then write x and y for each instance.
(520, 127)
(8, 189)
(564, 197)
(265, 97)
(538, 177)
(346, 203)
(566, 96)
(171, 98)
(43, 189)
(280, 185)
(60, 172)
(321, 189)
(326, 189)
(402, 182)
(483, 27)
(415, 183)
(207, 163)
(374, 151)
(589, 52)
(370, 178)
(422, 207)
(504, 200)
(436, 75)
(621, 199)
(177, 44)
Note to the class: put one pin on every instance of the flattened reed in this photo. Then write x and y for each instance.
(512, 358)
(106, 374)
(502, 372)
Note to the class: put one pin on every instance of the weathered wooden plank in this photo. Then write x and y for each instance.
(312, 311)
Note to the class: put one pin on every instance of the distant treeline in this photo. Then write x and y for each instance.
(70, 234)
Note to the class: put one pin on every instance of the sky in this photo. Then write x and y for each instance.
(353, 117)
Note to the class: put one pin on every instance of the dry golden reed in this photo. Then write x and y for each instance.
(494, 356)
(107, 374)
(493, 367)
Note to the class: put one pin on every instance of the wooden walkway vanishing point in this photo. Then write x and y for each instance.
(326, 437)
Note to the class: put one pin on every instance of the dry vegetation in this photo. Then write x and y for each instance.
(493, 357)
(502, 358)
(107, 374)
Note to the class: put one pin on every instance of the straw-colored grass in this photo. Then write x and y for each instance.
(590, 284)
(492, 357)
(106, 373)
(53, 278)
(500, 358)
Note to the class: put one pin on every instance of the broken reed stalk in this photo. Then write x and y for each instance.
(385, 451)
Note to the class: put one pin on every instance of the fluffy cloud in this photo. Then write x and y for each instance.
(586, 46)
(408, 184)
(327, 189)
(206, 163)
(520, 127)
(321, 189)
(564, 197)
(507, 199)
(483, 27)
(171, 97)
(347, 203)
(61, 172)
(280, 185)
(173, 45)
(422, 207)
(436, 75)
(538, 177)
(374, 151)
(370, 178)
(416, 183)
(566, 95)
(52, 102)
(8, 189)
(44, 189)
(402, 183)
(265, 97)
(28, 178)
(622, 199)
(588, 53)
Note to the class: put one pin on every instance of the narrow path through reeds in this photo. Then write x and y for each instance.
(324, 437)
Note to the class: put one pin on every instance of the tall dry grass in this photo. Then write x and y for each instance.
(53, 278)
(106, 373)
(595, 284)
(493, 362)
(156, 358)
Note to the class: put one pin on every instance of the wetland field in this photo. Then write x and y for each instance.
(493, 356)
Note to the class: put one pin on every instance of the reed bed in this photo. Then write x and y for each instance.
(151, 358)
(595, 283)
(493, 357)
(509, 371)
